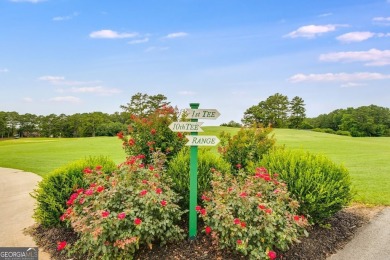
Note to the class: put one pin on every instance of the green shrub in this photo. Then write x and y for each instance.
(53, 191)
(115, 215)
(321, 186)
(324, 130)
(179, 171)
(345, 133)
(151, 133)
(246, 147)
(253, 216)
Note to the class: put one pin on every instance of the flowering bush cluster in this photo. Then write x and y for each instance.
(245, 148)
(152, 133)
(115, 214)
(253, 216)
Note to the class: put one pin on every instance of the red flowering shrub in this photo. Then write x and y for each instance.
(255, 223)
(135, 207)
(152, 133)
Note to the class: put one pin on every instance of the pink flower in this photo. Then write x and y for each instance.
(137, 221)
(238, 166)
(198, 208)
(276, 191)
(70, 202)
(153, 131)
(207, 230)
(151, 168)
(144, 181)
(272, 255)
(205, 198)
(143, 192)
(237, 221)
(239, 241)
(92, 185)
(88, 192)
(79, 191)
(81, 200)
(203, 212)
(61, 245)
(100, 189)
(163, 203)
(105, 214)
(259, 194)
(158, 191)
(121, 215)
(63, 217)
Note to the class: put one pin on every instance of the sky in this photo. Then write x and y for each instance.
(76, 56)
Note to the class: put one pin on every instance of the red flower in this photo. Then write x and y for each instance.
(239, 241)
(180, 135)
(105, 214)
(259, 194)
(261, 206)
(79, 191)
(92, 185)
(61, 245)
(63, 217)
(243, 194)
(153, 131)
(98, 167)
(237, 221)
(207, 230)
(238, 166)
(87, 170)
(143, 192)
(272, 255)
(205, 198)
(70, 202)
(151, 168)
(131, 142)
(81, 200)
(145, 181)
(121, 215)
(198, 208)
(163, 203)
(243, 224)
(141, 166)
(120, 135)
(158, 191)
(137, 221)
(203, 212)
(100, 189)
(297, 218)
(268, 211)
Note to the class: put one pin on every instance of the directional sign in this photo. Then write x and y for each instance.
(186, 126)
(202, 140)
(202, 113)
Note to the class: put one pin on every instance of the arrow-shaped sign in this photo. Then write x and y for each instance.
(202, 113)
(202, 140)
(186, 126)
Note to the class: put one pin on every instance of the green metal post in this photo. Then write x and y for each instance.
(193, 225)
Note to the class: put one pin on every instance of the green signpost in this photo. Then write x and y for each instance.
(194, 141)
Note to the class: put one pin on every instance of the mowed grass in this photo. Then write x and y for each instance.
(43, 155)
(367, 159)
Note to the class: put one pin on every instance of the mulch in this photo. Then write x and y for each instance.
(323, 240)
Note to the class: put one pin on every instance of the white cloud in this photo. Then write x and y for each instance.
(95, 90)
(66, 99)
(176, 35)
(311, 31)
(109, 34)
(352, 84)
(3, 70)
(186, 93)
(343, 77)
(27, 99)
(381, 21)
(29, 1)
(138, 41)
(355, 36)
(59, 80)
(372, 57)
(154, 48)
(325, 14)
(64, 18)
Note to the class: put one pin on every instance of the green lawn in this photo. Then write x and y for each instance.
(368, 159)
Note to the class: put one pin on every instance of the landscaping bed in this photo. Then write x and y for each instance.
(322, 241)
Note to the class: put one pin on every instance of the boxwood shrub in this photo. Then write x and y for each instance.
(54, 190)
(321, 186)
(179, 171)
